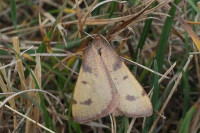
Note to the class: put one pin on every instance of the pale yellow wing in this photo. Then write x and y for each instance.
(134, 102)
(95, 95)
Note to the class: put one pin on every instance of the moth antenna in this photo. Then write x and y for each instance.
(104, 38)
(91, 35)
(78, 40)
(117, 40)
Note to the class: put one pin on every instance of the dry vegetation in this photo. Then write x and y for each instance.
(40, 56)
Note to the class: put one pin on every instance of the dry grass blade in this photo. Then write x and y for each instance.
(7, 88)
(146, 68)
(171, 93)
(21, 121)
(52, 33)
(21, 92)
(131, 125)
(162, 78)
(19, 64)
(80, 27)
(34, 112)
(40, 125)
(191, 33)
(195, 126)
(195, 53)
(10, 64)
(126, 23)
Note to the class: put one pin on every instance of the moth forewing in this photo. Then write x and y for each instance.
(95, 95)
(133, 100)
(105, 85)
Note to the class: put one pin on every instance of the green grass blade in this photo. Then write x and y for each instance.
(155, 98)
(70, 123)
(162, 44)
(184, 127)
(194, 6)
(145, 72)
(123, 125)
(145, 31)
(76, 127)
(186, 93)
(156, 87)
(143, 37)
(57, 72)
(13, 13)
(113, 8)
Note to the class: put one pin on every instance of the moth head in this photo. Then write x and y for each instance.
(98, 43)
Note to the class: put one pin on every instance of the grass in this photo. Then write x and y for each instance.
(161, 36)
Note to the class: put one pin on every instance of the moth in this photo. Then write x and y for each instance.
(105, 86)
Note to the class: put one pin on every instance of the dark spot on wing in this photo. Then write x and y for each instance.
(99, 51)
(125, 77)
(74, 101)
(143, 93)
(87, 102)
(83, 82)
(117, 65)
(130, 98)
(87, 68)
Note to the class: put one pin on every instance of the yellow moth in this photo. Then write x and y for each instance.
(105, 85)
